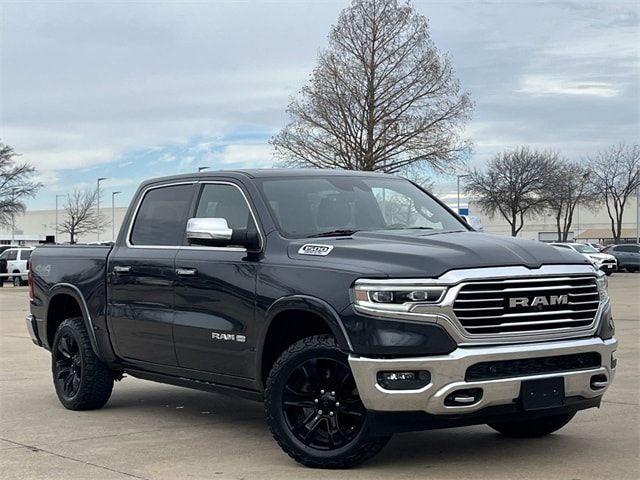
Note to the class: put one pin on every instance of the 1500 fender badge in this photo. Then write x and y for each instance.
(315, 249)
(228, 337)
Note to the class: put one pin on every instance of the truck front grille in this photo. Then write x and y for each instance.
(524, 305)
(532, 366)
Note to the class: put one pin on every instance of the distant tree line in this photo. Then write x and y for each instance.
(524, 182)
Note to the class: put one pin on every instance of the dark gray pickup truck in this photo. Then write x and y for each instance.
(354, 305)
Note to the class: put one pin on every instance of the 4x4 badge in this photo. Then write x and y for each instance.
(315, 249)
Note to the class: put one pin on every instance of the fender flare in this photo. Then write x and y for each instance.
(309, 304)
(76, 294)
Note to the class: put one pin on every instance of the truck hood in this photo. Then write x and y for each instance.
(428, 254)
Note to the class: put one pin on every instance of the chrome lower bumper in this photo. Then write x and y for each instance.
(448, 375)
(31, 328)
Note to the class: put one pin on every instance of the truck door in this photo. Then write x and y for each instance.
(215, 292)
(142, 276)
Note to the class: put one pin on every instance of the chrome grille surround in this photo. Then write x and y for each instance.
(447, 316)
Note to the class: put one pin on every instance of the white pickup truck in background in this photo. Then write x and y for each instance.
(13, 265)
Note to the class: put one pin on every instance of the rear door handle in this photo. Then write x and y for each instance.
(122, 269)
(186, 272)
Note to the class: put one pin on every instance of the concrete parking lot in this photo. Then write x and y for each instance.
(153, 431)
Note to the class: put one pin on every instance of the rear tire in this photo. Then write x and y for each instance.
(537, 427)
(81, 380)
(313, 408)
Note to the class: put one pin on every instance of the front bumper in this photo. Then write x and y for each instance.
(608, 267)
(448, 376)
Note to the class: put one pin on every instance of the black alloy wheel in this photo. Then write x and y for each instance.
(81, 380)
(68, 365)
(321, 405)
(314, 409)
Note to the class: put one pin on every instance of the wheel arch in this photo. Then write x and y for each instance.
(296, 317)
(65, 301)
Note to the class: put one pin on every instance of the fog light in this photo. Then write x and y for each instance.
(404, 380)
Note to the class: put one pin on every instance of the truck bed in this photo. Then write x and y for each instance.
(74, 268)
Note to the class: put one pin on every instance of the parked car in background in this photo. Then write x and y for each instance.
(597, 246)
(13, 262)
(627, 255)
(605, 262)
(3, 248)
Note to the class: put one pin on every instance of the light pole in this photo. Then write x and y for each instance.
(98, 207)
(57, 197)
(638, 214)
(459, 177)
(13, 215)
(202, 168)
(113, 215)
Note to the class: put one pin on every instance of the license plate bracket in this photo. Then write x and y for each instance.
(542, 394)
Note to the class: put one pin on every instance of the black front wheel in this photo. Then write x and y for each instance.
(313, 407)
(81, 380)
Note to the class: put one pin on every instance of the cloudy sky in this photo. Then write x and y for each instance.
(129, 90)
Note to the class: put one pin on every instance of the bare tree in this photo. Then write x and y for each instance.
(16, 184)
(81, 214)
(382, 97)
(615, 174)
(514, 184)
(568, 188)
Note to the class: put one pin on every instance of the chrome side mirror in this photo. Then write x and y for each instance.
(208, 230)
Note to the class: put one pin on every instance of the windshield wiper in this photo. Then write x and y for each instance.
(334, 233)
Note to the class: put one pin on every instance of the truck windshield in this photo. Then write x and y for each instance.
(336, 205)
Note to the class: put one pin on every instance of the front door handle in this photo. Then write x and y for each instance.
(122, 269)
(186, 272)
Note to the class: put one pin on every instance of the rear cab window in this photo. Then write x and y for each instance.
(161, 217)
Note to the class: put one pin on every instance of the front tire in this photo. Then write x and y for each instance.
(81, 380)
(537, 427)
(313, 408)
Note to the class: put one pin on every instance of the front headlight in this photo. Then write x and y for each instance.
(396, 298)
(603, 285)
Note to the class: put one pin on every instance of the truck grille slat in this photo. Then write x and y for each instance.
(521, 324)
(527, 305)
(521, 315)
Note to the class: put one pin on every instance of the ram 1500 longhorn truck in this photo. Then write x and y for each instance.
(354, 305)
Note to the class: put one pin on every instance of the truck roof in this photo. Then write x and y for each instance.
(268, 173)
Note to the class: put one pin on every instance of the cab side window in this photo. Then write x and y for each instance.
(225, 201)
(12, 255)
(162, 216)
(25, 254)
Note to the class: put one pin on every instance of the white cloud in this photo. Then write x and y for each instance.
(247, 156)
(555, 85)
